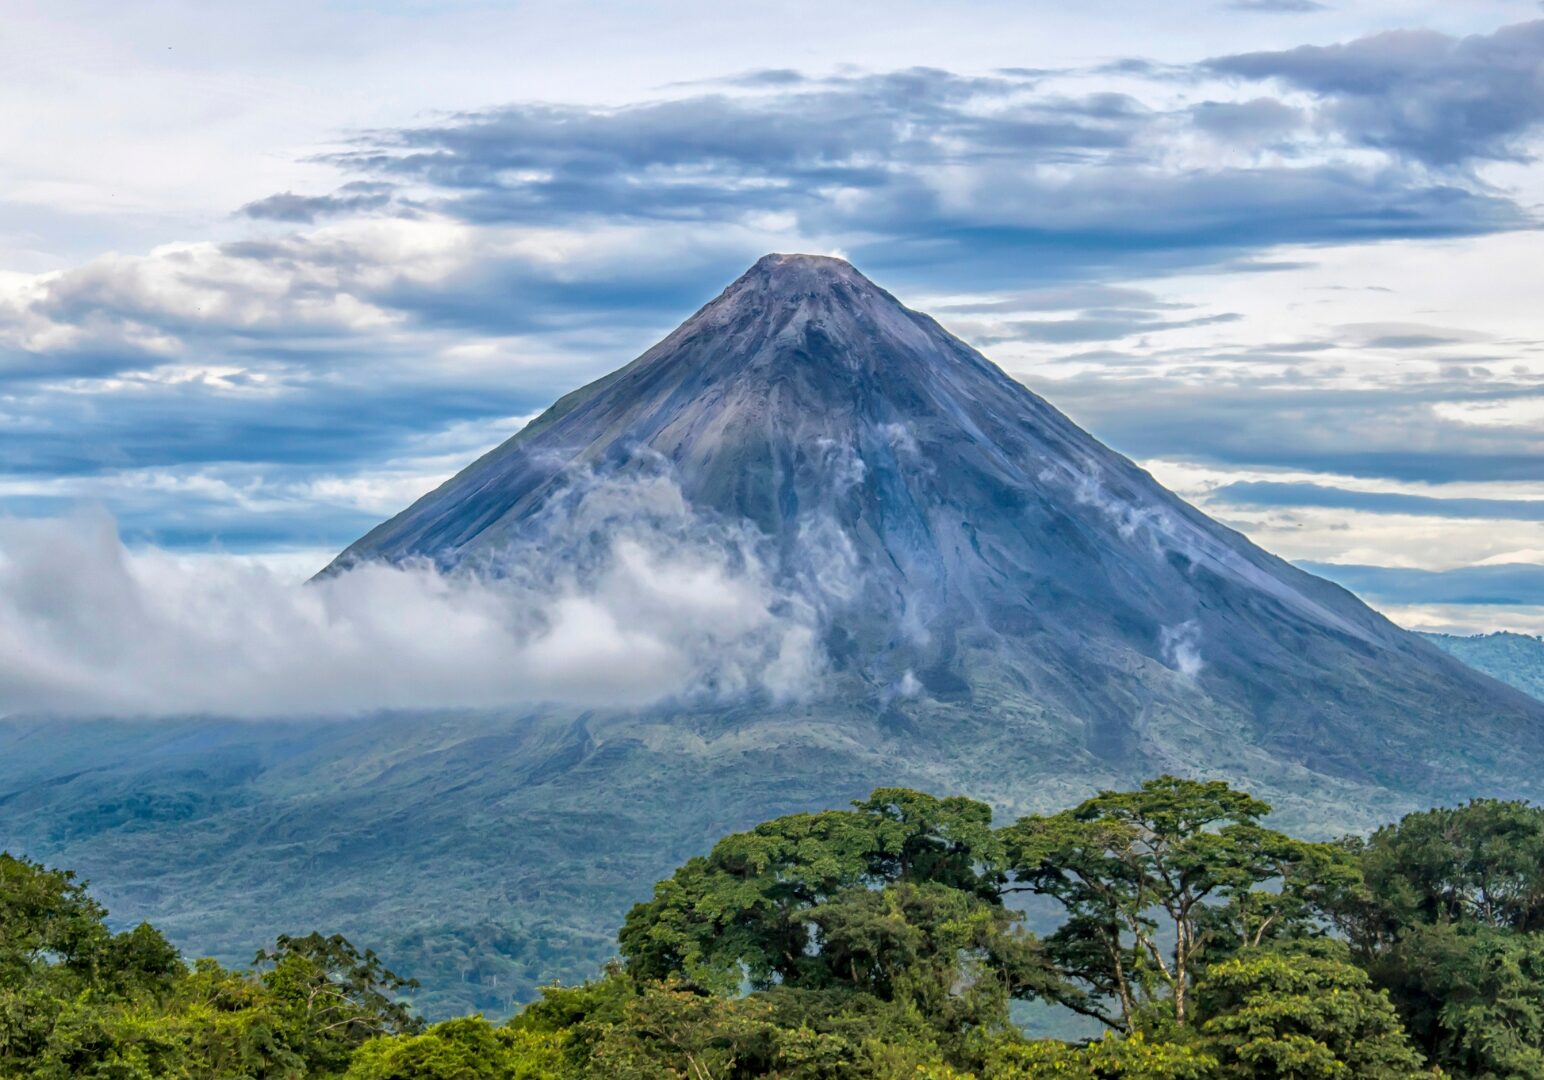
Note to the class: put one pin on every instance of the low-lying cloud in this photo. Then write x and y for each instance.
(91, 627)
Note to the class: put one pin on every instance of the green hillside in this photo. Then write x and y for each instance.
(1515, 659)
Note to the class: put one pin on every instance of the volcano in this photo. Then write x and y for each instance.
(998, 605)
(987, 552)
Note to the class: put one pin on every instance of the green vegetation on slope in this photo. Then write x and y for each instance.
(884, 941)
(1515, 659)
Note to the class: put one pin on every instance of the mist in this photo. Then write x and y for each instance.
(632, 603)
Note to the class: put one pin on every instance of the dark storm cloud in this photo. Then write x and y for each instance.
(1272, 494)
(1512, 584)
(1434, 98)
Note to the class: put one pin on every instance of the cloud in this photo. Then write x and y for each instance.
(681, 609)
(1259, 119)
(1436, 99)
(907, 167)
(699, 156)
(1061, 298)
(1270, 493)
(1095, 325)
(1396, 432)
(474, 267)
(1519, 584)
(354, 197)
(1181, 647)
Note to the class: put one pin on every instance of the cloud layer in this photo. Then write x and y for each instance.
(671, 609)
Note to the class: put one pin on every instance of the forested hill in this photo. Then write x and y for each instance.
(1515, 659)
(879, 943)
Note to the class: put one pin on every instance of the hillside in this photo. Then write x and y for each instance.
(1515, 659)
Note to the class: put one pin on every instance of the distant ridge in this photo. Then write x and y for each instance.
(1515, 659)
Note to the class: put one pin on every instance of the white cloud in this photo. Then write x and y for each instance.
(90, 627)
(1466, 619)
(1182, 647)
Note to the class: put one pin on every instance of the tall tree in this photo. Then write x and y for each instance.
(333, 996)
(1150, 879)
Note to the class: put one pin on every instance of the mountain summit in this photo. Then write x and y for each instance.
(973, 551)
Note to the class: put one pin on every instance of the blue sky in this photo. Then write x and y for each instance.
(267, 272)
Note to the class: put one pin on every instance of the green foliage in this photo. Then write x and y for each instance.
(1293, 1016)
(899, 899)
(618, 1027)
(876, 944)
(332, 997)
(1482, 863)
(1473, 998)
(79, 1001)
(1133, 1057)
(1451, 923)
(467, 1048)
(46, 916)
(675, 1031)
(61, 969)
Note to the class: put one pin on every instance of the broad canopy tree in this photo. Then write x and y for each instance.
(899, 898)
(1151, 880)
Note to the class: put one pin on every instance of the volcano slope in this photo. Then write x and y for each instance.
(992, 602)
(948, 523)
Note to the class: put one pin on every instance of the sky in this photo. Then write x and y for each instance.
(269, 272)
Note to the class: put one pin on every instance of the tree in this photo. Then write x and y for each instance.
(1451, 924)
(1472, 997)
(78, 1001)
(1178, 861)
(899, 898)
(61, 969)
(334, 997)
(1274, 1015)
(46, 918)
(1480, 864)
(672, 1030)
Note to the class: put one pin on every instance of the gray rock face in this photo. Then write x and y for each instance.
(969, 544)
